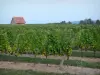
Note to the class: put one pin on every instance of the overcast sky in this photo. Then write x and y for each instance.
(46, 11)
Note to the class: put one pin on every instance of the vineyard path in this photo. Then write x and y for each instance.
(49, 69)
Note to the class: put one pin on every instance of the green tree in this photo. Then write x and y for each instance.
(69, 22)
(98, 22)
(81, 22)
(63, 22)
(87, 21)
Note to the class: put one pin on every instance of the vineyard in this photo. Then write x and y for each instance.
(50, 40)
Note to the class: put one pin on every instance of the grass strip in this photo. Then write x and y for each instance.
(50, 61)
(26, 72)
(89, 54)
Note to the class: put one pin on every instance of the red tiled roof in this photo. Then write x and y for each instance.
(19, 20)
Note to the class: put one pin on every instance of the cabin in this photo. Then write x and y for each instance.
(18, 20)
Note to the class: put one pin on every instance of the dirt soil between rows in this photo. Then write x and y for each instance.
(50, 68)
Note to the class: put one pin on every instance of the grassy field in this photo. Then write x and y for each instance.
(27, 72)
(89, 54)
(50, 61)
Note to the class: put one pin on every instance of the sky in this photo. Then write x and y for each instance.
(49, 11)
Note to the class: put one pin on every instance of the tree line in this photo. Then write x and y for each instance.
(89, 21)
(85, 21)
